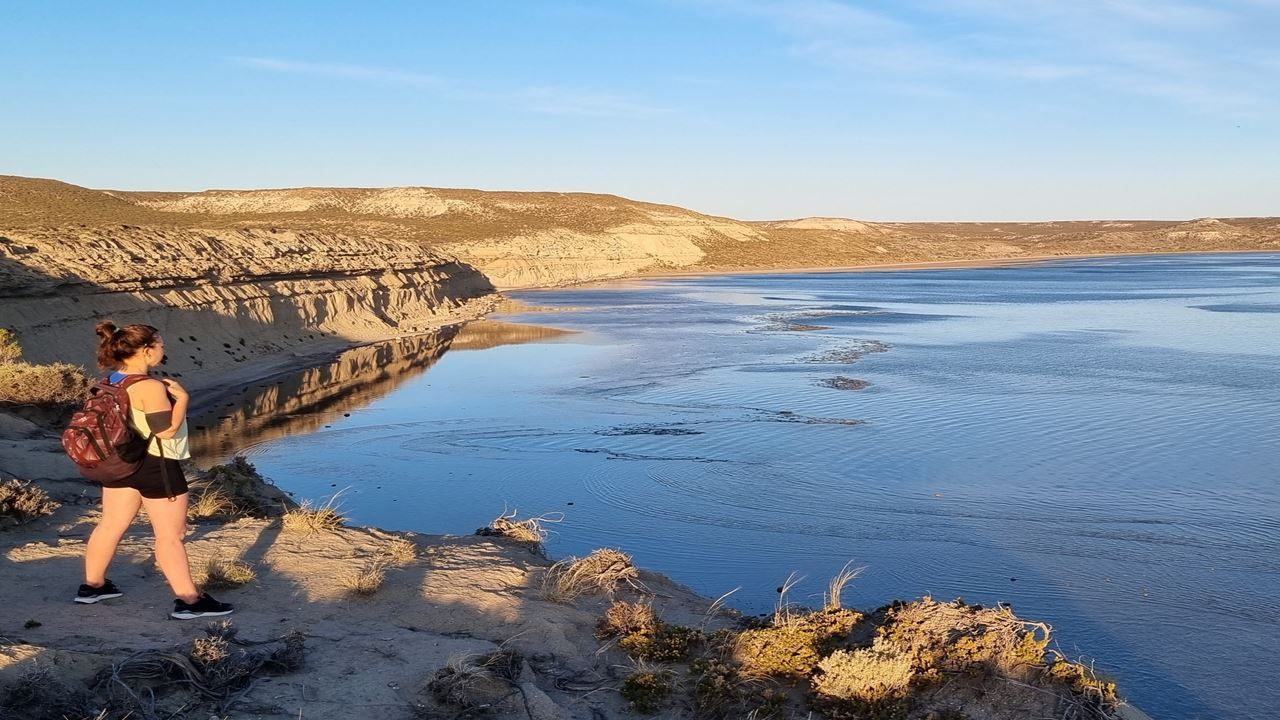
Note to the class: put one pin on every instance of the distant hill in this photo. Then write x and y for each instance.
(526, 239)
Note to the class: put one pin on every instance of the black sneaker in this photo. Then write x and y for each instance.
(89, 594)
(204, 606)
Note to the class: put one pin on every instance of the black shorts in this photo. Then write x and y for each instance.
(149, 481)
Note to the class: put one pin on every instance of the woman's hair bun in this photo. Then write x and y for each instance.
(106, 329)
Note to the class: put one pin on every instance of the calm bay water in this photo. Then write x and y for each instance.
(1092, 441)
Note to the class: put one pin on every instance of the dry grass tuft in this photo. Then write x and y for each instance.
(624, 618)
(476, 681)
(599, 572)
(530, 531)
(23, 383)
(307, 519)
(368, 579)
(21, 502)
(399, 551)
(782, 610)
(835, 588)
(209, 501)
(223, 574)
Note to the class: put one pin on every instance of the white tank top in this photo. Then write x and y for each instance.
(175, 448)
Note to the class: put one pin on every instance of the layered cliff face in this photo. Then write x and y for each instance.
(222, 296)
(518, 240)
(521, 240)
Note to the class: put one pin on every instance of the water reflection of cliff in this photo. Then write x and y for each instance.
(307, 400)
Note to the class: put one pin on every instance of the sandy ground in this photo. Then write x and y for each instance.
(365, 656)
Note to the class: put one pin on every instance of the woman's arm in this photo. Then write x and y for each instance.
(163, 417)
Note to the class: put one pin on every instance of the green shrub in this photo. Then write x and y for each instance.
(792, 648)
(648, 691)
(717, 689)
(664, 643)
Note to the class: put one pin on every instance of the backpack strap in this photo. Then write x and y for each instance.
(124, 384)
(164, 469)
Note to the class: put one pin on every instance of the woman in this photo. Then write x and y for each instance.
(158, 409)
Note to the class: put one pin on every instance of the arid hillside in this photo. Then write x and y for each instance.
(540, 239)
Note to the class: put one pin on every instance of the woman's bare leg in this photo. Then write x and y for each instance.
(169, 521)
(119, 508)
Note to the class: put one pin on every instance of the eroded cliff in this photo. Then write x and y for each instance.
(223, 296)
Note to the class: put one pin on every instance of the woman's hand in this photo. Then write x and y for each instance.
(176, 390)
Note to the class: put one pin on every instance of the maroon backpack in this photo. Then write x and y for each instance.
(99, 438)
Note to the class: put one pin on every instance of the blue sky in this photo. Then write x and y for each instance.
(907, 110)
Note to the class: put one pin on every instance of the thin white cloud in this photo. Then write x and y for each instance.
(561, 101)
(542, 99)
(1200, 55)
(343, 71)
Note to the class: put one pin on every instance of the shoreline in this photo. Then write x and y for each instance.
(924, 265)
(228, 386)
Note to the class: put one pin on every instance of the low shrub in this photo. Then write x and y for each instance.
(21, 502)
(39, 694)
(241, 485)
(717, 689)
(792, 648)
(864, 675)
(956, 637)
(665, 643)
(10, 350)
(624, 618)
(647, 691)
(600, 572)
(1082, 681)
(23, 383)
